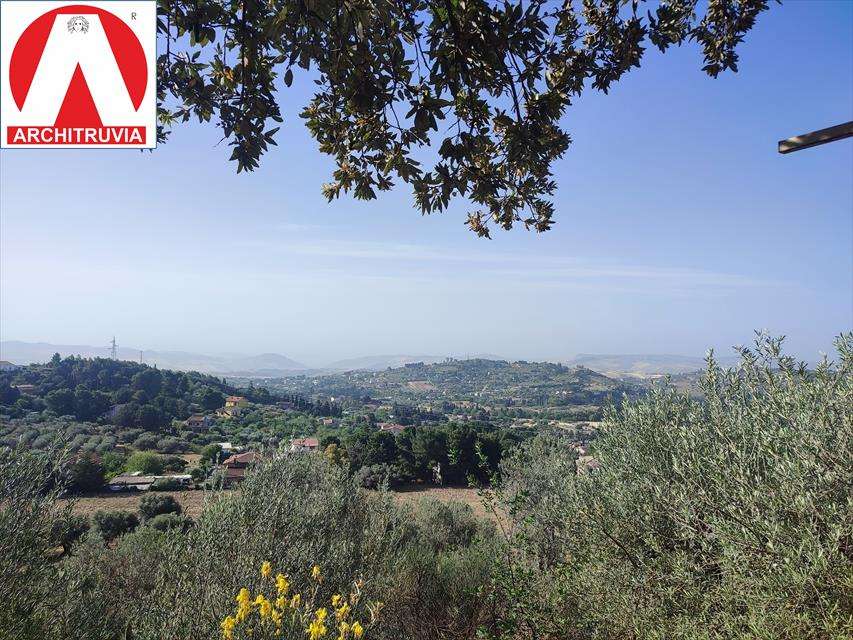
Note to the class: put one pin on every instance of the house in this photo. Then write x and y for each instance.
(236, 465)
(327, 422)
(229, 412)
(137, 482)
(389, 427)
(199, 421)
(299, 445)
(236, 401)
(26, 389)
(227, 448)
(131, 482)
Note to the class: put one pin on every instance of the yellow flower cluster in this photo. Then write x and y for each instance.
(262, 616)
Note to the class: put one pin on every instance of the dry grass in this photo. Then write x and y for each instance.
(191, 501)
(414, 494)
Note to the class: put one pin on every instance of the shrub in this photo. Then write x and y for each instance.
(100, 592)
(127, 436)
(448, 525)
(377, 475)
(167, 484)
(171, 445)
(168, 521)
(146, 442)
(146, 462)
(112, 524)
(153, 505)
(199, 474)
(86, 474)
(68, 530)
(28, 519)
(174, 463)
(210, 453)
(721, 517)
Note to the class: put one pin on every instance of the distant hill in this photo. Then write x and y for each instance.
(646, 365)
(379, 363)
(267, 364)
(492, 382)
(123, 393)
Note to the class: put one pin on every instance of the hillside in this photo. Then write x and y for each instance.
(127, 394)
(494, 382)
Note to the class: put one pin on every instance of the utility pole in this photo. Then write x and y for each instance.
(815, 138)
(141, 359)
(113, 349)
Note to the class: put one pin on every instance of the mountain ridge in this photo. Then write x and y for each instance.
(19, 352)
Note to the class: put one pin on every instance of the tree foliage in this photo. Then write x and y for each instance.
(723, 517)
(483, 83)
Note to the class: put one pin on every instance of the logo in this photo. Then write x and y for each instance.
(79, 24)
(78, 75)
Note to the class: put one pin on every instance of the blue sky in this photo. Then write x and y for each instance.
(679, 228)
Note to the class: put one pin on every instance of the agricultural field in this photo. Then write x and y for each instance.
(415, 494)
(192, 502)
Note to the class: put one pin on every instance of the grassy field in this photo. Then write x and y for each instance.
(415, 494)
(193, 501)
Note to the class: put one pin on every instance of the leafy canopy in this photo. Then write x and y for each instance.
(484, 83)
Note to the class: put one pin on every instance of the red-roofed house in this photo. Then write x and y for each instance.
(389, 427)
(235, 466)
(304, 444)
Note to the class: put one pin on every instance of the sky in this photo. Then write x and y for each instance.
(679, 228)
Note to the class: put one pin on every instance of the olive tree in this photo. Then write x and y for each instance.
(723, 516)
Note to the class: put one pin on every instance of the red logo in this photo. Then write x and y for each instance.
(79, 75)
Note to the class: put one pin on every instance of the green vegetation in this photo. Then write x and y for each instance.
(488, 383)
(154, 505)
(112, 524)
(145, 462)
(727, 517)
(446, 454)
(125, 394)
(722, 517)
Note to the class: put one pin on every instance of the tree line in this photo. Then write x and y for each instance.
(123, 393)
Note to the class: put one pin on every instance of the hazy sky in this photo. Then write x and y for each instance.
(679, 228)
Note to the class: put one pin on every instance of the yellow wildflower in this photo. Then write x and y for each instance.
(264, 606)
(357, 630)
(266, 569)
(276, 617)
(315, 573)
(342, 611)
(244, 604)
(295, 600)
(228, 627)
(336, 600)
(343, 630)
(281, 602)
(282, 584)
(317, 628)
